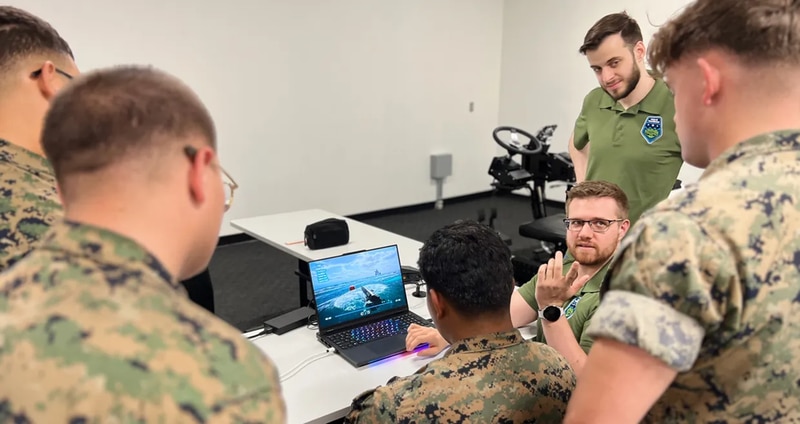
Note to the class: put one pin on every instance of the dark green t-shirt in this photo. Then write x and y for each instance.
(578, 310)
(637, 149)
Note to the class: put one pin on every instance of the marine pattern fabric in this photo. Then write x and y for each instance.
(499, 378)
(709, 282)
(29, 201)
(94, 330)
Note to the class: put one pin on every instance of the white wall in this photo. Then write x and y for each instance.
(544, 77)
(318, 104)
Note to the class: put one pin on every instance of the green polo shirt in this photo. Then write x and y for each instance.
(578, 310)
(637, 149)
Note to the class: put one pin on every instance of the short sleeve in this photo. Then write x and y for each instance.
(670, 285)
(528, 292)
(580, 135)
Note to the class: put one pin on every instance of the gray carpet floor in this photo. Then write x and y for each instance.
(253, 281)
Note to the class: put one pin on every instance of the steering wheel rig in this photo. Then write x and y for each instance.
(534, 146)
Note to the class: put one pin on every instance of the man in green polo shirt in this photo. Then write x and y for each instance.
(625, 133)
(566, 290)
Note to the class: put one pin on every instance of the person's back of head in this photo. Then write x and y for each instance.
(469, 276)
(730, 61)
(134, 151)
(35, 63)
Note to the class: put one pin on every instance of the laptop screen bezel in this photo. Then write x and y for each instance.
(402, 308)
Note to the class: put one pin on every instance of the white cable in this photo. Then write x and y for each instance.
(305, 362)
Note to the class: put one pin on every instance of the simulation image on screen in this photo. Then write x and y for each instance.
(351, 286)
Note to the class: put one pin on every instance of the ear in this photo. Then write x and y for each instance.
(437, 305)
(197, 174)
(624, 226)
(48, 81)
(711, 80)
(639, 51)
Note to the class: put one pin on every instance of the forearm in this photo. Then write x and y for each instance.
(580, 160)
(560, 337)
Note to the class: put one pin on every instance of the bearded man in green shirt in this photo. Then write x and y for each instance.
(625, 133)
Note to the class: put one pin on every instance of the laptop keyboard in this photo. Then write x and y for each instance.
(376, 330)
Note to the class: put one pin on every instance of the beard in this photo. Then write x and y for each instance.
(628, 84)
(589, 254)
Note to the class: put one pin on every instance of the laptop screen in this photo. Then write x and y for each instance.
(356, 285)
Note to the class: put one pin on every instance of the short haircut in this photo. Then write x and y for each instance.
(615, 23)
(121, 113)
(469, 265)
(23, 35)
(758, 32)
(598, 189)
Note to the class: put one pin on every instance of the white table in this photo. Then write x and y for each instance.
(323, 390)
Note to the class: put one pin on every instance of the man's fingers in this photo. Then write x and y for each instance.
(572, 273)
(578, 284)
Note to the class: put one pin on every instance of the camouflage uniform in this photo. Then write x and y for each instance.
(497, 378)
(709, 282)
(94, 329)
(29, 202)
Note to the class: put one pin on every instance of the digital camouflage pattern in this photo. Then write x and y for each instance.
(29, 204)
(93, 329)
(497, 378)
(709, 282)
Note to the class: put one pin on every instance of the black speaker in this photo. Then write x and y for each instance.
(329, 232)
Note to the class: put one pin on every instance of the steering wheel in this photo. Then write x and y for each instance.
(533, 147)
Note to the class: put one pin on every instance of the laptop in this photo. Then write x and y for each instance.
(362, 308)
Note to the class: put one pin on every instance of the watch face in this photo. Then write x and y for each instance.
(551, 313)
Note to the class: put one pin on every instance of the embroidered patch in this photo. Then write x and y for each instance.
(570, 309)
(652, 129)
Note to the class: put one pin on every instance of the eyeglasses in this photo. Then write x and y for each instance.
(231, 185)
(38, 72)
(596, 225)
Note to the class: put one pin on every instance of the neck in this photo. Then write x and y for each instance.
(154, 230)
(771, 115)
(481, 325)
(18, 127)
(645, 84)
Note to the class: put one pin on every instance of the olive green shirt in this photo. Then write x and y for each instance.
(94, 329)
(578, 310)
(29, 204)
(637, 149)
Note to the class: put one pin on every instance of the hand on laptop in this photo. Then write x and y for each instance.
(418, 335)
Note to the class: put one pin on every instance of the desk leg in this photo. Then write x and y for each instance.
(304, 276)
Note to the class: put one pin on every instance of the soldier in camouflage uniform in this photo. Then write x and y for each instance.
(491, 374)
(94, 326)
(35, 63)
(701, 318)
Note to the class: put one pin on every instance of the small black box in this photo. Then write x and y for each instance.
(327, 233)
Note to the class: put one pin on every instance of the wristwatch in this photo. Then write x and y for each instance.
(552, 313)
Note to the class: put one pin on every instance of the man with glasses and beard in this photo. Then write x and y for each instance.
(566, 291)
(625, 132)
